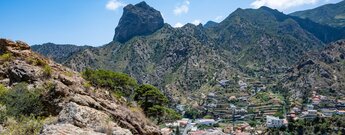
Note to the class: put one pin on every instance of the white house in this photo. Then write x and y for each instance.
(310, 107)
(310, 114)
(341, 112)
(206, 122)
(274, 122)
(327, 112)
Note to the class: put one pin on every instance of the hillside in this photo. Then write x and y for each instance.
(190, 60)
(322, 72)
(40, 96)
(58, 52)
(330, 14)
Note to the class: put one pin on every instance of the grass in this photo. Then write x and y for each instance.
(36, 62)
(68, 73)
(5, 57)
(47, 71)
(87, 85)
(23, 126)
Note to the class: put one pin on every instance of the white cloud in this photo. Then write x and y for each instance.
(182, 9)
(218, 18)
(282, 4)
(114, 4)
(178, 25)
(196, 22)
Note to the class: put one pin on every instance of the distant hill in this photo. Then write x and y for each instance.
(58, 52)
(330, 14)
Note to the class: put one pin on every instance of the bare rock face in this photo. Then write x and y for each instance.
(67, 129)
(138, 20)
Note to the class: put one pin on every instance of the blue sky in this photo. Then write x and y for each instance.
(92, 22)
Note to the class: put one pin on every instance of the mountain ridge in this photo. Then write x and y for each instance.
(184, 62)
(329, 14)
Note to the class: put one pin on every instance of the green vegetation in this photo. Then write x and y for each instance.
(5, 57)
(317, 126)
(151, 99)
(47, 71)
(119, 83)
(21, 101)
(36, 61)
(192, 113)
(154, 103)
(21, 110)
(24, 125)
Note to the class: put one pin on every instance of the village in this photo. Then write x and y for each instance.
(251, 112)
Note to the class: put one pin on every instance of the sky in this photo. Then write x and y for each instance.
(93, 22)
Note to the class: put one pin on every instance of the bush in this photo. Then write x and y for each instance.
(25, 125)
(21, 101)
(36, 61)
(5, 57)
(208, 117)
(47, 71)
(149, 96)
(117, 82)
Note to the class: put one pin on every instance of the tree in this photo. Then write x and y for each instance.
(21, 101)
(120, 83)
(154, 103)
(149, 96)
(177, 132)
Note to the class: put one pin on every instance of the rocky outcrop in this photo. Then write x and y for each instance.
(79, 110)
(138, 20)
(322, 72)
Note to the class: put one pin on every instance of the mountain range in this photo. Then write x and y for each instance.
(249, 44)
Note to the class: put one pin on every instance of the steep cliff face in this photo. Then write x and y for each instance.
(138, 20)
(78, 109)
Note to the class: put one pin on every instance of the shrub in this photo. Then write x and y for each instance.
(87, 85)
(21, 101)
(5, 57)
(3, 113)
(36, 61)
(25, 125)
(208, 117)
(117, 82)
(3, 92)
(68, 73)
(47, 71)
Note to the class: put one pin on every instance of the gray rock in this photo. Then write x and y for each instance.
(121, 131)
(66, 79)
(83, 116)
(67, 129)
(21, 73)
(138, 20)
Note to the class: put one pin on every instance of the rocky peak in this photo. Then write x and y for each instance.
(138, 20)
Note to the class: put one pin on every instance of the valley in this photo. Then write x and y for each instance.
(258, 71)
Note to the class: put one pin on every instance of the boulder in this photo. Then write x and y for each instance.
(83, 116)
(21, 73)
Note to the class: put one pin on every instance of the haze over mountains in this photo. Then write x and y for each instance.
(261, 44)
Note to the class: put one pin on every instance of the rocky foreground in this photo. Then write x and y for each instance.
(78, 109)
